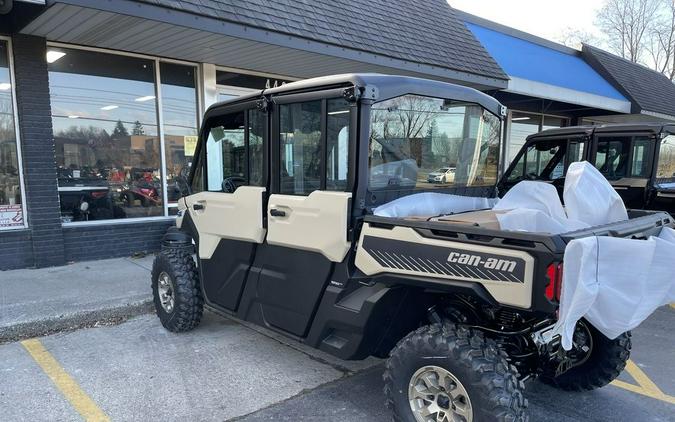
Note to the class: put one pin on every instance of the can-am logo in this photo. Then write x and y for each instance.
(477, 261)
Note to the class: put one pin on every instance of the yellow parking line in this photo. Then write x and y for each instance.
(645, 386)
(82, 403)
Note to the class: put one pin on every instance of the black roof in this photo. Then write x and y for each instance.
(426, 32)
(648, 90)
(656, 127)
(385, 87)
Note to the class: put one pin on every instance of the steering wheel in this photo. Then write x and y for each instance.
(532, 176)
(231, 184)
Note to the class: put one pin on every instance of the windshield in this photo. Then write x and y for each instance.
(413, 138)
(547, 160)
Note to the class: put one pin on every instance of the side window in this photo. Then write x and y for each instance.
(337, 144)
(641, 153)
(666, 166)
(611, 158)
(235, 151)
(300, 147)
(226, 151)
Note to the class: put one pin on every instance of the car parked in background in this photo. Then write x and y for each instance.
(442, 175)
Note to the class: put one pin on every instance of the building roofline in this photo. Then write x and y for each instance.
(477, 20)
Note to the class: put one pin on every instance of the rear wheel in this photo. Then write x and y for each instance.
(176, 291)
(602, 362)
(444, 372)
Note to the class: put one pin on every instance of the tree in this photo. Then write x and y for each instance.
(575, 38)
(628, 24)
(138, 128)
(120, 131)
(661, 46)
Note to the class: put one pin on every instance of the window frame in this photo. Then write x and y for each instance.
(275, 138)
(160, 126)
(200, 151)
(17, 136)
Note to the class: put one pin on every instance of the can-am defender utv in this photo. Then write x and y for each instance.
(280, 210)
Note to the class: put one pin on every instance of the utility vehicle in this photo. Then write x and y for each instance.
(279, 208)
(637, 159)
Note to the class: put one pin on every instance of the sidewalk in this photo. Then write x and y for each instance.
(35, 302)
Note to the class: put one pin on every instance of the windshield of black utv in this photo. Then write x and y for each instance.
(412, 137)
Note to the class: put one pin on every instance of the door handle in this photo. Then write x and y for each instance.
(198, 207)
(277, 213)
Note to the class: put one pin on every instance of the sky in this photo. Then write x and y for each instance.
(545, 18)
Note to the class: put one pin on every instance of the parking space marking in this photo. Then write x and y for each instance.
(645, 386)
(80, 401)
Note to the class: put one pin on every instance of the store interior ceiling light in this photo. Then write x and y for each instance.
(332, 113)
(516, 119)
(53, 55)
(109, 107)
(73, 116)
(146, 98)
(4, 86)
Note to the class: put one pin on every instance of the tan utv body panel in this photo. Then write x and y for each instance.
(237, 216)
(515, 292)
(317, 222)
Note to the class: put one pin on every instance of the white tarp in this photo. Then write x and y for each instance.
(589, 201)
(432, 204)
(615, 283)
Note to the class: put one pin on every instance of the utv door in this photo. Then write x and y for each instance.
(228, 216)
(307, 213)
(626, 162)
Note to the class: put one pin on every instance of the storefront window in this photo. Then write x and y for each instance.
(179, 113)
(523, 125)
(104, 115)
(11, 211)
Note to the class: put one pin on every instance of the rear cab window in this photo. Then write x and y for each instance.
(414, 138)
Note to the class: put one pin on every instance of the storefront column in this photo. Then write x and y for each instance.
(37, 145)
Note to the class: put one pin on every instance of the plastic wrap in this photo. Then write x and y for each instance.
(615, 283)
(431, 203)
(589, 198)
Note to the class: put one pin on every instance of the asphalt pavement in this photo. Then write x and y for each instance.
(226, 370)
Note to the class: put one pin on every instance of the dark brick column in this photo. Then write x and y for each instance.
(37, 146)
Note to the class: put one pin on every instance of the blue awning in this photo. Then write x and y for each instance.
(541, 69)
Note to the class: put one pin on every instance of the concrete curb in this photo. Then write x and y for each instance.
(68, 322)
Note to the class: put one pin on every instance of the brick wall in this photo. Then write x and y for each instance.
(16, 250)
(114, 240)
(37, 147)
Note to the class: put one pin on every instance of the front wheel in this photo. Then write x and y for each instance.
(176, 291)
(444, 372)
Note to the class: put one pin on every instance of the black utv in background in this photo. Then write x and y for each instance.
(637, 159)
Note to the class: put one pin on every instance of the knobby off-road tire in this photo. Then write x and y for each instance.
(607, 360)
(491, 384)
(183, 279)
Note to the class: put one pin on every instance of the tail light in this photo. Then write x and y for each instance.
(554, 273)
(99, 194)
